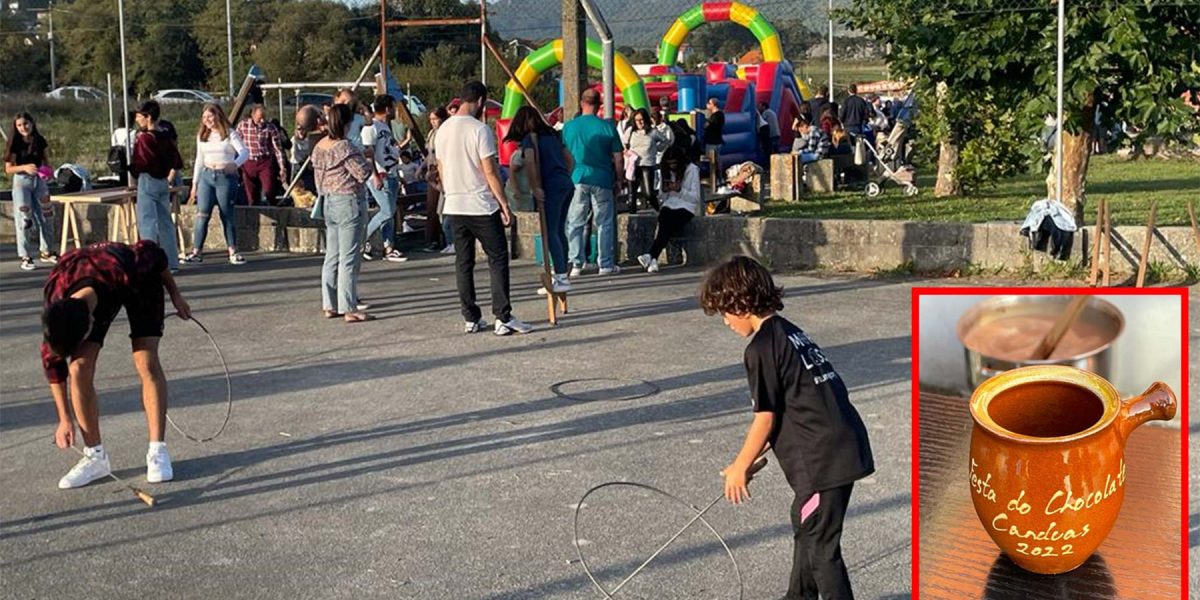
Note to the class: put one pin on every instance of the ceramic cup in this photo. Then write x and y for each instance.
(1047, 466)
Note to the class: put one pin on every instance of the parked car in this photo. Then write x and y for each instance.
(182, 97)
(76, 92)
(294, 101)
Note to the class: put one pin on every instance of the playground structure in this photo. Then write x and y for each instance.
(738, 88)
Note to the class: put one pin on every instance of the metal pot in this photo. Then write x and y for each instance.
(1097, 312)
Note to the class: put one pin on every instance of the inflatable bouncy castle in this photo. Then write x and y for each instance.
(738, 88)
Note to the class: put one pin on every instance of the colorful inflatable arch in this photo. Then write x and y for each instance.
(633, 91)
(716, 12)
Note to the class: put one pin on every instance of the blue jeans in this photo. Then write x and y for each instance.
(808, 157)
(589, 198)
(28, 191)
(343, 253)
(214, 187)
(154, 216)
(558, 201)
(384, 221)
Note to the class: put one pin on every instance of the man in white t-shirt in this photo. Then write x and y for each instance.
(475, 204)
(381, 149)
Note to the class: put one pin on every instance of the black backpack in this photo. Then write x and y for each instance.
(118, 163)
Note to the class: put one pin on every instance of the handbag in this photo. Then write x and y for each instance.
(318, 208)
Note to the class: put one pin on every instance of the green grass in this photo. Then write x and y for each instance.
(816, 72)
(78, 131)
(1130, 186)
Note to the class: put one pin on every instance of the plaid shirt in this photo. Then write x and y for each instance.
(112, 268)
(262, 140)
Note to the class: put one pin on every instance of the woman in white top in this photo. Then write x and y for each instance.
(646, 142)
(219, 153)
(681, 202)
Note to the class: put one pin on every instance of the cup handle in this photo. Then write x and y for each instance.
(1156, 403)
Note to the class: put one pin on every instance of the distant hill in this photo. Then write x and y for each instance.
(638, 23)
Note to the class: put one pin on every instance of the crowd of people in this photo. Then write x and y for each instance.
(823, 128)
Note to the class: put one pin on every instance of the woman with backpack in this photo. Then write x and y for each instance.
(219, 153)
(26, 161)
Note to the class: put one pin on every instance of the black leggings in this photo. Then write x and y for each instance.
(643, 180)
(671, 222)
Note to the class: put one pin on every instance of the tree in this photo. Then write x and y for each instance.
(26, 56)
(307, 41)
(1137, 56)
(249, 20)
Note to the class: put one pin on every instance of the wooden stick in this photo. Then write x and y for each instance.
(1107, 244)
(1096, 244)
(1145, 258)
(1046, 347)
(547, 279)
(1195, 229)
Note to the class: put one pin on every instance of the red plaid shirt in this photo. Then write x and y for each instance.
(262, 140)
(112, 267)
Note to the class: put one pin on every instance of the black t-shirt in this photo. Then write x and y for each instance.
(818, 437)
(27, 153)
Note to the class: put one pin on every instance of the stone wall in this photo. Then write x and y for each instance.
(853, 245)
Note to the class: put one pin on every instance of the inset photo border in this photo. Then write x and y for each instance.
(1050, 478)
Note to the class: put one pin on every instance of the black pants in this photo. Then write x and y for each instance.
(671, 222)
(489, 230)
(643, 181)
(817, 564)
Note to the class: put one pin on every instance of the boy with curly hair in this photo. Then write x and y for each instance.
(801, 411)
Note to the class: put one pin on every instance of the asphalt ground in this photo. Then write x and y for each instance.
(403, 459)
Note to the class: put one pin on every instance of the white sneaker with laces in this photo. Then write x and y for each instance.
(576, 270)
(27, 264)
(474, 327)
(644, 260)
(92, 466)
(653, 266)
(449, 249)
(613, 270)
(514, 325)
(158, 463)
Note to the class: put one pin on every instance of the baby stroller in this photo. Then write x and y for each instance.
(885, 165)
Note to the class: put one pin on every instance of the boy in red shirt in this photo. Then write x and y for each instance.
(83, 294)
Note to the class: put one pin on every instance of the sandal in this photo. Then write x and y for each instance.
(331, 314)
(358, 317)
(194, 257)
(236, 259)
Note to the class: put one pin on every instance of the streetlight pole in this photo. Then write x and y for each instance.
(50, 11)
(830, 15)
(229, 45)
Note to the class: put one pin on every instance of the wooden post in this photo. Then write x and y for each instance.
(574, 63)
(1107, 244)
(553, 299)
(1096, 244)
(1145, 258)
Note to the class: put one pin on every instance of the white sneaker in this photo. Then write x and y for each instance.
(514, 325)
(449, 249)
(27, 264)
(393, 255)
(644, 260)
(474, 327)
(560, 283)
(158, 464)
(653, 266)
(92, 466)
(613, 270)
(576, 270)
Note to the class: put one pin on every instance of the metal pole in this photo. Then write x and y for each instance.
(124, 83)
(483, 47)
(111, 126)
(1058, 151)
(383, 42)
(50, 10)
(229, 45)
(280, 92)
(830, 15)
(608, 59)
